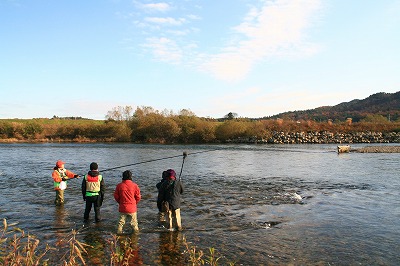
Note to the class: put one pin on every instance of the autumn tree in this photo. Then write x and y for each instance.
(153, 127)
(230, 116)
(194, 129)
(374, 119)
(230, 129)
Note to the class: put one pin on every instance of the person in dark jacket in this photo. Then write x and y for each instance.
(161, 213)
(93, 189)
(127, 194)
(171, 191)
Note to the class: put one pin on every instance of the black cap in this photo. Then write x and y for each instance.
(127, 175)
(94, 166)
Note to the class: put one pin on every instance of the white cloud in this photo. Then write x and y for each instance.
(228, 66)
(164, 49)
(193, 17)
(277, 29)
(178, 32)
(163, 7)
(165, 20)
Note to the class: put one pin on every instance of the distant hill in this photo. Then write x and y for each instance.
(385, 104)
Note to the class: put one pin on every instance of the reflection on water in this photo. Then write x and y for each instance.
(256, 204)
(60, 221)
(170, 248)
(98, 247)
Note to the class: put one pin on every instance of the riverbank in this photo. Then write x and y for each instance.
(275, 137)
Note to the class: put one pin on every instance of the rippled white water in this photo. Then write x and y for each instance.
(241, 199)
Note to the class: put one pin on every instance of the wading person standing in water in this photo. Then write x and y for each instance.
(170, 191)
(93, 189)
(161, 212)
(127, 194)
(60, 176)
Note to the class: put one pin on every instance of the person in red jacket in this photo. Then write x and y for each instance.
(60, 176)
(127, 194)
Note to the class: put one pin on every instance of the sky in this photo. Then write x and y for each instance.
(255, 58)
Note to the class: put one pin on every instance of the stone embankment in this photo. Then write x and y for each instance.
(325, 137)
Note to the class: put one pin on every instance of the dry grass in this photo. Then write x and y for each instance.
(20, 248)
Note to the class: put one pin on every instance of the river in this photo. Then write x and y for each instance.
(255, 204)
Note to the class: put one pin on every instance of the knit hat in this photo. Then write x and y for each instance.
(127, 175)
(171, 174)
(94, 166)
(59, 163)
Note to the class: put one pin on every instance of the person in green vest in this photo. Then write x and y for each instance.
(60, 176)
(93, 189)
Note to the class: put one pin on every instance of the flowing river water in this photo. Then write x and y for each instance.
(255, 204)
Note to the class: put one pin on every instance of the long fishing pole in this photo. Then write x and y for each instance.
(158, 159)
(183, 161)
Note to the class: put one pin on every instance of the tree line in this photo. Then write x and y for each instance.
(147, 125)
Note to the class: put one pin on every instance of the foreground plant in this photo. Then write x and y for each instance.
(75, 250)
(19, 248)
(197, 257)
(124, 250)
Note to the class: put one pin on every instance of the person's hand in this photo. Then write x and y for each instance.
(64, 179)
(84, 198)
(76, 176)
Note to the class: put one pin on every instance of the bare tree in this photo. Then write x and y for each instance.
(120, 113)
(186, 112)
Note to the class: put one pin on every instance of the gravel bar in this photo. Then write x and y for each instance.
(378, 149)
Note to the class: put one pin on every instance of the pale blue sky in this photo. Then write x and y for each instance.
(252, 57)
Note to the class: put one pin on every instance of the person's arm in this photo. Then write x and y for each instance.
(138, 197)
(83, 188)
(102, 188)
(56, 177)
(116, 194)
(70, 174)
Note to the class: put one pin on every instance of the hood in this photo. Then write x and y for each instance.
(93, 173)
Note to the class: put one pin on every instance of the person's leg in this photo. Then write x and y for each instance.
(96, 204)
(59, 197)
(88, 208)
(169, 219)
(178, 219)
(122, 218)
(134, 222)
(161, 217)
(56, 201)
